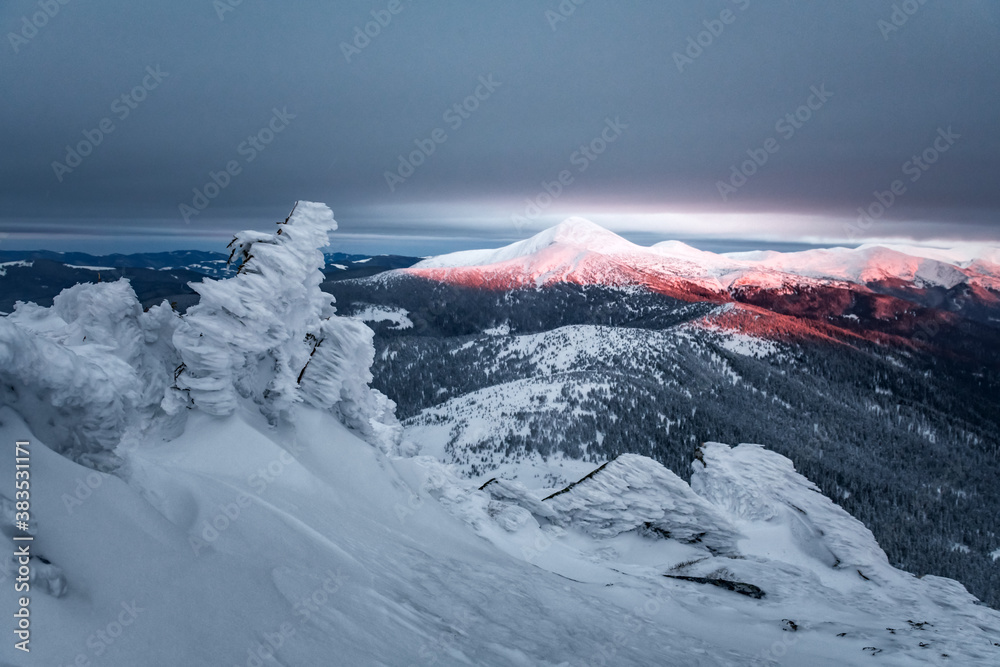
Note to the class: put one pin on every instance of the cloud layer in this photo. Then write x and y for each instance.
(196, 118)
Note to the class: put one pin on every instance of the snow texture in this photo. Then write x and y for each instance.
(758, 485)
(634, 492)
(87, 370)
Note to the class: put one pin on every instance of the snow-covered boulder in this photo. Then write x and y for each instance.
(760, 487)
(635, 492)
(514, 493)
(88, 369)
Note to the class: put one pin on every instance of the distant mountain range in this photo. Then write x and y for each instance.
(906, 292)
(39, 275)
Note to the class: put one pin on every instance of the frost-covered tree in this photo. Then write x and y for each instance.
(251, 335)
(270, 335)
(95, 370)
(89, 369)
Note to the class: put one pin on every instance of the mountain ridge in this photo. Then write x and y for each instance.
(538, 262)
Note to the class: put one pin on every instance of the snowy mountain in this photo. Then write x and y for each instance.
(224, 487)
(541, 360)
(828, 291)
(577, 250)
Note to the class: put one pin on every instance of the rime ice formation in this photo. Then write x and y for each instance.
(94, 368)
(89, 368)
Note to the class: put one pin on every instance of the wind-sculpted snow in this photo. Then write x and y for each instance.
(631, 526)
(761, 486)
(269, 334)
(87, 369)
(94, 371)
(634, 492)
(336, 378)
(252, 334)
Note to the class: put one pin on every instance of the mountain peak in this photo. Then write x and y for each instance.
(580, 232)
(577, 232)
(575, 227)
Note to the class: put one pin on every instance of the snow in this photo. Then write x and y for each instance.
(502, 330)
(398, 316)
(270, 334)
(864, 264)
(761, 487)
(227, 483)
(91, 268)
(89, 369)
(634, 491)
(960, 255)
(744, 344)
(578, 233)
(264, 318)
(18, 264)
(391, 560)
(580, 251)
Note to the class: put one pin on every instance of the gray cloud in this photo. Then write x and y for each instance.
(559, 80)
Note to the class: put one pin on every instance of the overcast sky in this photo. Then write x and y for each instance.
(651, 111)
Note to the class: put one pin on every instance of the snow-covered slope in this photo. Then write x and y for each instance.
(862, 265)
(579, 233)
(574, 251)
(223, 488)
(579, 251)
(235, 542)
